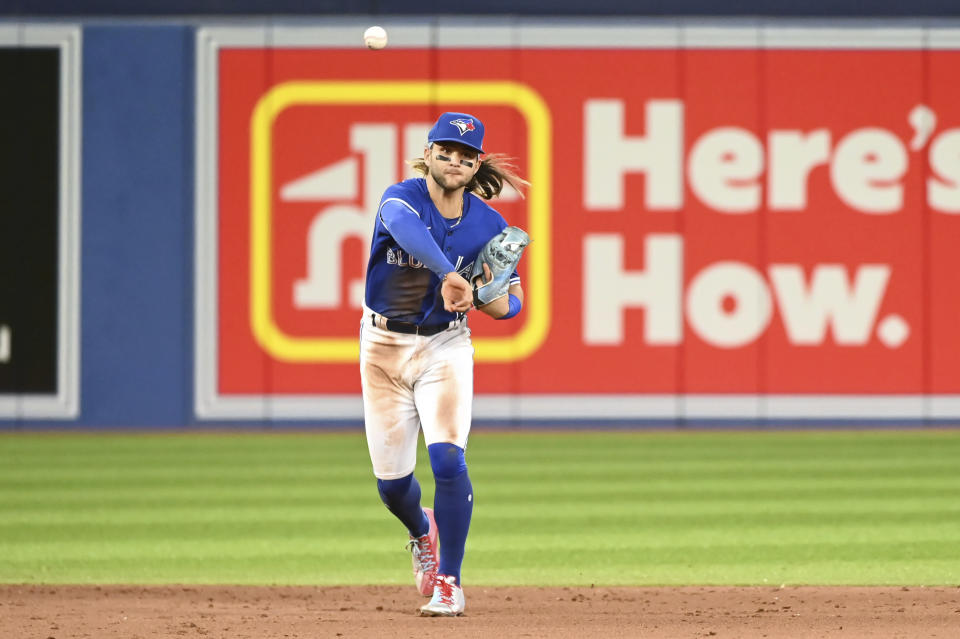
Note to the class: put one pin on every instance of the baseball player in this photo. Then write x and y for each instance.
(416, 357)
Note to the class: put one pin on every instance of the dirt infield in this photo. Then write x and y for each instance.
(381, 612)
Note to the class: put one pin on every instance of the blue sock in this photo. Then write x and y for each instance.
(402, 498)
(452, 504)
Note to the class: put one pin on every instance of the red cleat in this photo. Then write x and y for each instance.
(426, 557)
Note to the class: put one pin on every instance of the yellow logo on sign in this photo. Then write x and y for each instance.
(339, 349)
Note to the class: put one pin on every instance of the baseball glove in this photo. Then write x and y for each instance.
(501, 254)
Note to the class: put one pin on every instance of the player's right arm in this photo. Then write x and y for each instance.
(406, 227)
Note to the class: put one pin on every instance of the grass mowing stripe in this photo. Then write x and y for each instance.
(487, 569)
(518, 515)
(711, 507)
(730, 552)
(516, 509)
(329, 532)
(638, 550)
(896, 489)
(607, 471)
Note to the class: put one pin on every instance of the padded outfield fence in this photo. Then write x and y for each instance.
(745, 221)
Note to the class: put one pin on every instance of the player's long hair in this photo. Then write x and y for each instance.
(495, 170)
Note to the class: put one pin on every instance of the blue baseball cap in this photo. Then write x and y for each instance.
(458, 127)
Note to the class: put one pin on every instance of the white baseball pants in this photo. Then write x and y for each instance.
(411, 382)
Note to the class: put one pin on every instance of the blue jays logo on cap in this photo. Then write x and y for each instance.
(458, 127)
(464, 124)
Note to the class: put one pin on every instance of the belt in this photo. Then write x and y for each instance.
(410, 328)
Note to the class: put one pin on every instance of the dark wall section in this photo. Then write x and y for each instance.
(29, 193)
(137, 139)
(871, 8)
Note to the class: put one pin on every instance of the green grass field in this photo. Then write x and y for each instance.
(552, 508)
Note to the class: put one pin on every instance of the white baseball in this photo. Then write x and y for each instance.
(375, 37)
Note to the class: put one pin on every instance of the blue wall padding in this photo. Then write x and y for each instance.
(137, 176)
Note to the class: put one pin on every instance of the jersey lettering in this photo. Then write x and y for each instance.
(397, 257)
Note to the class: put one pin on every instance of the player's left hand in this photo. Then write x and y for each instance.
(486, 278)
(496, 263)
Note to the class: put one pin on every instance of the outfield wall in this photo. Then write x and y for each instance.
(733, 222)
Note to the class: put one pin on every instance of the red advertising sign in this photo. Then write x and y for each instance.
(705, 221)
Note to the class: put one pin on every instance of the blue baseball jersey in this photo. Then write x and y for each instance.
(398, 286)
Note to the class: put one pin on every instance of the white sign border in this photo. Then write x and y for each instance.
(66, 403)
(499, 33)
